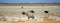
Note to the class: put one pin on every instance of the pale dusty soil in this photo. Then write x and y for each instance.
(35, 22)
(16, 9)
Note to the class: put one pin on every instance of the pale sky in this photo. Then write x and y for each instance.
(29, 1)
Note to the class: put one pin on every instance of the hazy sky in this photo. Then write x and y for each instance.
(29, 1)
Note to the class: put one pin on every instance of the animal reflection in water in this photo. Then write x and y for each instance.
(29, 14)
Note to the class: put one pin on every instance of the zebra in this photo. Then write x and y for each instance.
(29, 14)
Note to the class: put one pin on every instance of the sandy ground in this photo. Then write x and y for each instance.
(15, 12)
(33, 22)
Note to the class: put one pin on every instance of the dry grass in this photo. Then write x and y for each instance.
(35, 22)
